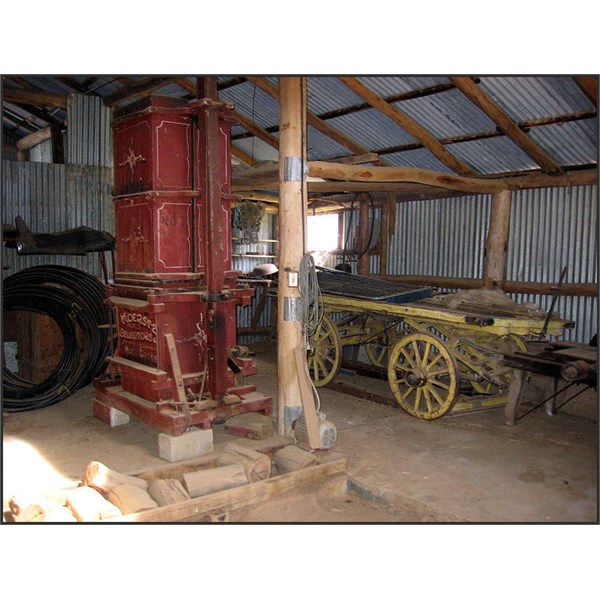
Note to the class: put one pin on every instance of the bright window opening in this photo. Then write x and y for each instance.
(323, 232)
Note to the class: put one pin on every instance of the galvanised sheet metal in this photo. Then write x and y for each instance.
(51, 198)
(372, 129)
(571, 143)
(492, 155)
(253, 103)
(321, 147)
(89, 136)
(447, 114)
(463, 224)
(325, 94)
(257, 149)
(414, 246)
(550, 228)
(526, 98)
(387, 86)
(420, 157)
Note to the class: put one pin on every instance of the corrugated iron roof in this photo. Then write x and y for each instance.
(527, 98)
(372, 129)
(572, 143)
(493, 155)
(446, 114)
(431, 102)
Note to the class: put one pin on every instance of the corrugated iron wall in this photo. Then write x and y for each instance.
(550, 228)
(89, 134)
(54, 197)
(553, 228)
(51, 198)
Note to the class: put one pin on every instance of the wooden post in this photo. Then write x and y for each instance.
(363, 238)
(496, 244)
(292, 227)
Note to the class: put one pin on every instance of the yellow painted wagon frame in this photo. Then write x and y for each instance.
(441, 347)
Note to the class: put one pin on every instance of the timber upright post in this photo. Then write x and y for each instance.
(496, 244)
(292, 225)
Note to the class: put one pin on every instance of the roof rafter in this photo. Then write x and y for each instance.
(312, 119)
(480, 99)
(255, 129)
(243, 156)
(138, 88)
(36, 98)
(589, 86)
(409, 125)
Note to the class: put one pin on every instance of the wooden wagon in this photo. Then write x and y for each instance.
(441, 353)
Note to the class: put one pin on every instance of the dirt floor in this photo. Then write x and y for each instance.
(464, 469)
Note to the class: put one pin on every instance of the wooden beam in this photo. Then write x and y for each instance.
(478, 97)
(138, 88)
(243, 156)
(356, 159)
(313, 120)
(509, 287)
(520, 182)
(37, 98)
(496, 245)
(259, 197)
(80, 88)
(35, 138)
(409, 125)
(404, 174)
(589, 86)
(255, 129)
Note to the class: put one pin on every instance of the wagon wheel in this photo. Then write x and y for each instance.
(378, 348)
(423, 376)
(325, 352)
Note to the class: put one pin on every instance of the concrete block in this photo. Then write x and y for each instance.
(190, 444)
(109, 415)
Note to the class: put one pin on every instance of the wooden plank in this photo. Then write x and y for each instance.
(478, 97)
(177, 377)
(409, 125)
(587, 354)
(308, 400)
(242, 496)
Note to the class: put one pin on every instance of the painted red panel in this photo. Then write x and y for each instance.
(152, 151)
(154, 234)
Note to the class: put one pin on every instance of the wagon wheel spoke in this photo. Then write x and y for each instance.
(423, 375)
(325, 355)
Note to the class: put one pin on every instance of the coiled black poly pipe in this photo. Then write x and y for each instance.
(76, 301)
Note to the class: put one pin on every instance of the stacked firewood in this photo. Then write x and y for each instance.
(105, 494)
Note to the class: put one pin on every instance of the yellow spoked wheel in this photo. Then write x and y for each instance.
(325, 352)
(423, 376)
(378, 348)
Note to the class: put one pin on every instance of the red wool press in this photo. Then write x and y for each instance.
(175, 294)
